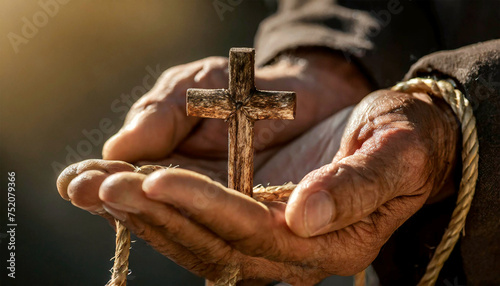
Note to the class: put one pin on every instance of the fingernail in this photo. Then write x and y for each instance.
(318, 212)
(119, 215)
(123, 207)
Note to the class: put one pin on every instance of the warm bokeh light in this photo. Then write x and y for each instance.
(62, 65)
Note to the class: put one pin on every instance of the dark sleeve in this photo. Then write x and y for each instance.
(379, 36)
(476, 70)
(383, 37)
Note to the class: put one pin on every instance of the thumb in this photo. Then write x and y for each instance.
(350, 189)
(157, 122)
(151, 133)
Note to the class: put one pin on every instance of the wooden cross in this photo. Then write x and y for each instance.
(241, 105)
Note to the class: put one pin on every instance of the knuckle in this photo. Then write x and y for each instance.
(217, 60)
(365, 185)
(210, 271)
(266, 248)
(146, 104)
(257, 243)
(412, 160)
(218, 253)
(169, 73)
(201, 268)
(146, 233)
(174, 229)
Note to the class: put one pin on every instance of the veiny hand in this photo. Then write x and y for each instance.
(396, 153)
(157, 128)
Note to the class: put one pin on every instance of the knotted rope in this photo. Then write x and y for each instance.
(462, 109)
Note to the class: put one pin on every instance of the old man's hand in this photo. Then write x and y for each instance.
(397, 152)
(157, 125)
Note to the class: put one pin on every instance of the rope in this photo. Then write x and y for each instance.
(470, 146)
(360, 278)
(120, 270)
(460, 106)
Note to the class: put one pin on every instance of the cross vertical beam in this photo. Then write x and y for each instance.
(241, 86)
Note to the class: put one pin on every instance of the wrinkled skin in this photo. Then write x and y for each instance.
(396, 153)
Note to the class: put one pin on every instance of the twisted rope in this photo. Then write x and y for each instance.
(470, 147)
(120, 270)
(460, 106)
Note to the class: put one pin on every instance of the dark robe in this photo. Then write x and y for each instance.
(395, 40)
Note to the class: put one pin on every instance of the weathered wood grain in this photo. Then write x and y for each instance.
(240, 161)
(271, 105)
(261, 105)
(241, 73)
(241, 105)
(215, 104)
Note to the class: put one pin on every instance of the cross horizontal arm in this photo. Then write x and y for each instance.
(212, 103)
(271, 105)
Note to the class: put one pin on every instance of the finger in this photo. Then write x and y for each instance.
(319, 83)
(216, 169)
(225, 221)
(83, 191)
(210, 138)
(158, 238)
(388, 164)
(353, 248)
(177, 235)
(249, 226)
(154, 125)
(158, 122)
(99, 168)
(123, 194)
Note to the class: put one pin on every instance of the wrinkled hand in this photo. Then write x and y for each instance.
(396, 153)
(158, 129)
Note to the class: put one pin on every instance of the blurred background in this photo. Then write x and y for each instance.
(69, 71)
(71, 68)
